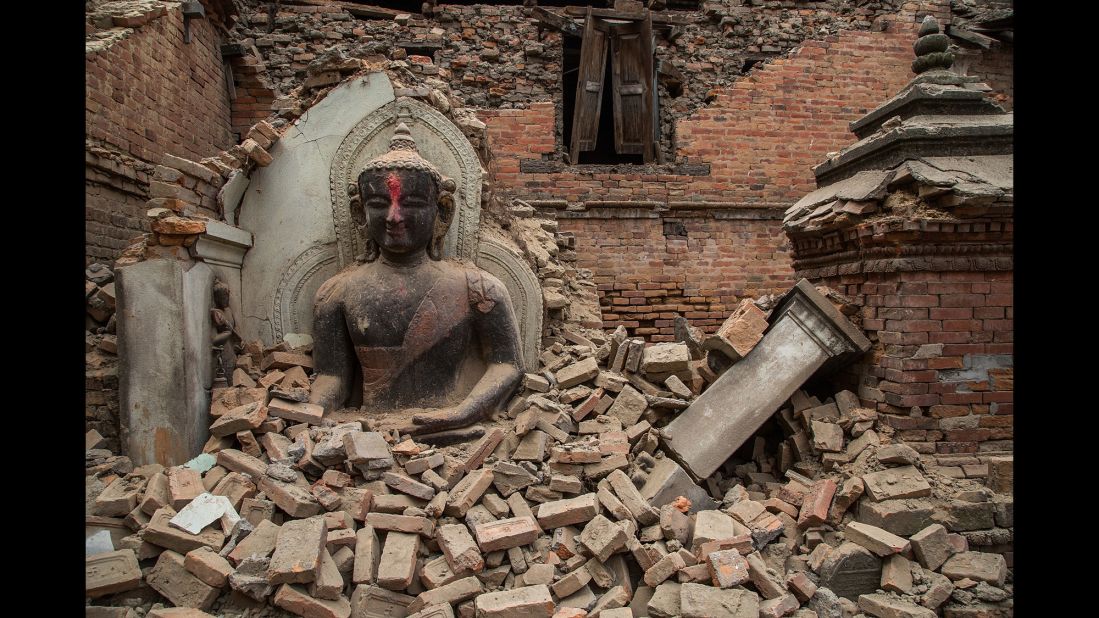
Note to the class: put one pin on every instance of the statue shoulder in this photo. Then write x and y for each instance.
(485, 290)
(332, 290)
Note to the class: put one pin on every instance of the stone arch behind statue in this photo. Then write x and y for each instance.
(297, 209)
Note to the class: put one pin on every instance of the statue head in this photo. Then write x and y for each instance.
(405, 205)
(221, 294)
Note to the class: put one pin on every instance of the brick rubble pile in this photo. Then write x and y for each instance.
(564, 507)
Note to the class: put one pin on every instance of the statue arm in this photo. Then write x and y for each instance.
(498, 334)
(332, 352)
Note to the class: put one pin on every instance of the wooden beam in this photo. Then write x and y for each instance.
(970, 37)
(557, 22)
(580, 11)
(356, 9)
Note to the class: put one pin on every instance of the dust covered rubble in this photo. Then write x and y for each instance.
(548, 513)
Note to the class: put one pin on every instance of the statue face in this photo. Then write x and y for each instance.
(401, 206)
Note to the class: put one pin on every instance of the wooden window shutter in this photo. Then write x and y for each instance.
(633, 88)
(589, 90)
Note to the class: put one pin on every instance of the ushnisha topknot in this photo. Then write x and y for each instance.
(404, 155)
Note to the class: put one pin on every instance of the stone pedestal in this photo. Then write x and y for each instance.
(806, 334)
(165, 359)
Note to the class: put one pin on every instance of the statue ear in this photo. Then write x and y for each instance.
(443, 219)
(355, 202)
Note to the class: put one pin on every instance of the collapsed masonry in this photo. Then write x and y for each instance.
(567, 505)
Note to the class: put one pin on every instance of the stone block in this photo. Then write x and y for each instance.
(261, 542)
(768, 585)
(448, 594)
(160, 532)
(241, 418)
(628, 406)
(700, 601)
(1001, 474)
(665, 358)
(374, 602)
(299, 412)
(776, 608)
(931, 546)
(568, 512)
(525, 602)
(577, 373)
(505, 533)
(978, 566)
(297, 556)
(896, 574)
(296, 500)
(602, 537)
(665, 600)
(208, 566)
(367, 552)
(668, 480)
(111, 572)
(896, 483)
(827, 437)
(295, 600)
(663, 569)
(727, 568)
(397, 563)
(901, 517)
(467, 492)
(459, 548)
(171, 579)
(632, 499)
(886, 606)
(881, 542)
(850, 570)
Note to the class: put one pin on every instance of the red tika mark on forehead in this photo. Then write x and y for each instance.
(393, 183)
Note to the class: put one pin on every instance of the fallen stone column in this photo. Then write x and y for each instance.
(165, 361)
(806, 333)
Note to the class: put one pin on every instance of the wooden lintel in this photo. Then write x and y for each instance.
(557, 22)
(580, 11)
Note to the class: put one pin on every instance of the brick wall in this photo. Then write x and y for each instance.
(147, 94)
(944, 342)
(646, 279)
(746, 157)
(996, 66)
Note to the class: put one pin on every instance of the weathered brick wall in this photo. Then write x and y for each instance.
(147, 94)
(646, 279)
(759, 139)
(996, 66)
(945, 344)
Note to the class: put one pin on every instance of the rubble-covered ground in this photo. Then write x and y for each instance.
(563, 505)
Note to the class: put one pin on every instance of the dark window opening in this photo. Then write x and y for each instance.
(604, 152)
(675, 230)
(610, 107)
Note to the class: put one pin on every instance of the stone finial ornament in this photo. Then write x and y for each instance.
(931, 48)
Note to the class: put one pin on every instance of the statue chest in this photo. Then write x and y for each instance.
(392, 314)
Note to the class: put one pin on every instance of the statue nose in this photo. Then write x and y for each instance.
(394, 213)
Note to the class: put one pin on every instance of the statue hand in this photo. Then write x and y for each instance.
(438, 420)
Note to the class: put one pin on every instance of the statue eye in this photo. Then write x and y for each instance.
(377, 201)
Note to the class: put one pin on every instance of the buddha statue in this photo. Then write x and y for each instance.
(435, 337)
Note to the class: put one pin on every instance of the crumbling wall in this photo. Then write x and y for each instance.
(147, 94)
(996, 66)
